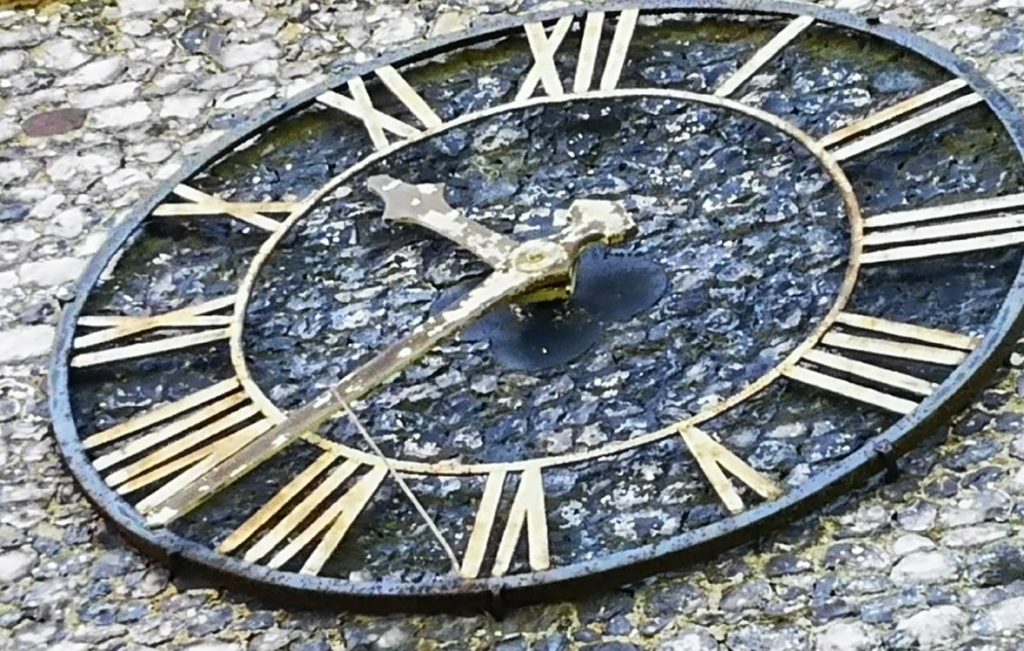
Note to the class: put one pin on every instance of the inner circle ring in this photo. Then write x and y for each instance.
(808, 142)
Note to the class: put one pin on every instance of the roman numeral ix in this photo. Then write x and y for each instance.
(208, 327)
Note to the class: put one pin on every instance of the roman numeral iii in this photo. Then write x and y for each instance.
(944, 230)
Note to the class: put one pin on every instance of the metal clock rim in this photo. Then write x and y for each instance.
(573, 580)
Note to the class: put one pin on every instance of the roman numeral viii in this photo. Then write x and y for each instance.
(544, 46)
(162, 445)
(829, 367)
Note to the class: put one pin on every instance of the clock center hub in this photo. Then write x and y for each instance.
(539, 256)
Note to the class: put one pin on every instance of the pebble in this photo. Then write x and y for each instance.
(212, 646)
(998, 564)
(20, 344)
(121, 116)
(920, 516)
(935, 628)
(184, 105)
(49, 273)
(135, 7)
(69, 646)
(859, 556)
(105, 95)
(11, 62)
(911, 542)
(1003, 619)
(15, 565)
(69, 223)
(244, 54)
(96, 73)
(690, 639)
(54, 123)
(274, 639)
(448, 22)
(757, 638)
(923, 567)
(77, 166)
(846, 636)
(60, 54)
(976, 535)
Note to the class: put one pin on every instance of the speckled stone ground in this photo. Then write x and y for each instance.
(934, 560)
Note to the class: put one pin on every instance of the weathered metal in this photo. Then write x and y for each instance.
(501, 591)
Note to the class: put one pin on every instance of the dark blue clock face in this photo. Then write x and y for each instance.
(824, 237)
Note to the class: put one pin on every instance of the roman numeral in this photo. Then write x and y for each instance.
(544, 47)
(210, 327)
(174, 437)
(323, 515)
(828, 370)
(527, 511)
(906, 117)
(937, 231)
(715, 460)
(764, 55)
(199, 203)
(378, 124)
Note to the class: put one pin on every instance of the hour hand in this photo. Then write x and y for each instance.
(425, 206)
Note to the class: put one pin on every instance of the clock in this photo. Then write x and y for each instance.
(563, 301)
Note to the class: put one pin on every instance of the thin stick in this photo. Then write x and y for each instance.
(401, 483)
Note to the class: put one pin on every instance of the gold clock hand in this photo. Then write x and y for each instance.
(531, 265)
(425, 206)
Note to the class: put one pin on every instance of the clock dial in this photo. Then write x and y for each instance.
(566, 300)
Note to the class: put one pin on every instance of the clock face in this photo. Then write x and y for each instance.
(569, 299)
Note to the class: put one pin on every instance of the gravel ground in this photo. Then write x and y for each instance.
(934, 560)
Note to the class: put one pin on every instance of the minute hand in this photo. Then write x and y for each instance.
(533, 264)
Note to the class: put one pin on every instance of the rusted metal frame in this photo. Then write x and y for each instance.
(567, 581)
